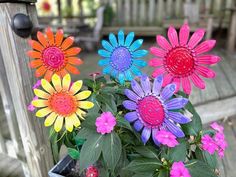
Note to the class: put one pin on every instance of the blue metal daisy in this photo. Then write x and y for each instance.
(154, 109)
(120, 56)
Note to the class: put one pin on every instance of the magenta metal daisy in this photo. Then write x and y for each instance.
(183, 59)
(121, 56)
(154, 109)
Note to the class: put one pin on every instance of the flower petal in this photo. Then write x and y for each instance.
(34, 54)
(129, 39)
(140, 63)
(208, 59)
(121, 37)
(56, 81)
(104, 53)
(58, 123)
(176, 81)
(35, 63)
(174, 129)
(67, 42)
(75, 120)
(59, 37)
(205, 46)
(173, 37)
(136, 88)
(48, 75)
(137, 44)
(80, 113)
(146, 133)
(146, 85)
(41, 94)
(157, 84)
(66, 81)
(157, 52)
(47, 86)
(83, 95)
(43, 112)
(139, 53)
(85, 104)
(197, 81)
(136, 71)
(40, 71)
(107, 70)
(131, 95)
(128, 75)
(154, 62)
(72, 69)
(205, 72)
(130, 105)
(138, 125)
(107, 46)
(42, 39)
(36, 45)
(131, 116)
(76, 86)
(168, 92)
(103, 62)
(158, 71)
(176, 103)
(69, 124)
(121, 78)
(50, 36)
(72, 51)
(167, 79)
(196, 38)
(39, 103)
(50, 119)
(163, 43)
(186, 85)
(154, 133)
(112, 39)
(178, 117)
(184, 34)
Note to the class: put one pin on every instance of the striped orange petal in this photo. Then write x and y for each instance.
(59, 37)
(35, 63)
(48, 75)
(63, 72)
(67, 43)
(36, 45)
(75, 61)
(72, 69)
(73, 51)
(42, 39)
(40, 71)
(50, 35)
(34, 54)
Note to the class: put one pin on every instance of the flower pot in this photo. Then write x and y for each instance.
(63, 167)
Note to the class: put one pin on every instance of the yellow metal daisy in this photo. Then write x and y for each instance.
(62, 101)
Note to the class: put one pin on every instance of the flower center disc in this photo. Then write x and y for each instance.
(151, 111)
(53, 58)
(121, 59)
(63, 103)
(179, 61)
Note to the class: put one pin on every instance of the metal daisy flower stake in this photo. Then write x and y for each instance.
(131, 124)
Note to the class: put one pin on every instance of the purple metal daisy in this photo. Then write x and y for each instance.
(154, 109)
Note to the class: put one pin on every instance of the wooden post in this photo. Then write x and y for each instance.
(20, 79)
(232, 31)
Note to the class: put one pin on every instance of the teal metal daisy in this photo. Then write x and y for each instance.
(121, 56)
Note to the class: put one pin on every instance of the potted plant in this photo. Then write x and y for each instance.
(130, 124)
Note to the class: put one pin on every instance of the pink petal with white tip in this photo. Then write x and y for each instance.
(158, 72)
(184, 34)
(208, 59)
(157, 52)
(162, 42)
(205, 72)
(186, 85)
(176, 81)
(173, 37)
(197, 81)
(205, 46)
(196, 38)
(154, 62)
(167, 79)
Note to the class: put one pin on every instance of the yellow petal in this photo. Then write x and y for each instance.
(41, 94)
(75, 120)
(69, 124)
(39, 103)
(58, 124)
(50, 119)
(47, 86)
(80, 113)
(43, 112)
(56, 80)
(66, 82)
(83, 95)
(76, 86)
(85, 104)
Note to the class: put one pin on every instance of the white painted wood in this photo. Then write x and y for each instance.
(169, 8)
(134, 12)
(178, 8)
(120, 13)
(160, 12)
(142, 13)
(151, 11)
(20, 77)
(127, 12)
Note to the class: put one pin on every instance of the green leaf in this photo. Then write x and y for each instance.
(111, 149)
(85, 133)
(88, 82)
(79, 141)
(91, 150)
(178, 153)
(211, 160)
(163, 173)
(90, 120)
(195, 126)
(73, 153)
(121, 122)
(147, 151)
(108, 101)
(143, 175)
(144, 165)
(55, 145)
(197, 167)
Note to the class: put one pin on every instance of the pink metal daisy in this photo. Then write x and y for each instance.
(183, 59)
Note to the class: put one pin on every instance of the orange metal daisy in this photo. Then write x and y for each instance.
(52, 55)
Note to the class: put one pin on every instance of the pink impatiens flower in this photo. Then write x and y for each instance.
(178, 170)
(92, 171)
(217, 127)
(183, 58)
(208, 144)
(105, 123)
(166, 138)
